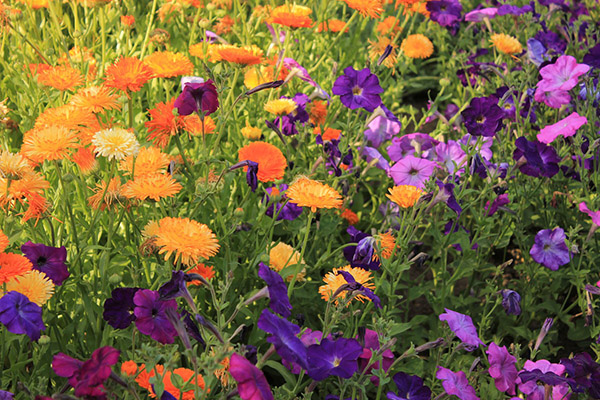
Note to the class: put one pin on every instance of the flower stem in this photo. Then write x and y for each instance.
(304, 245)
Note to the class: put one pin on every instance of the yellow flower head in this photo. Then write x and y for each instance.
(115, 143)
(281, 106)
(417, 46)
(506, 44)
(333, 281)
(283, 255)
(34, 284)
(308, 193)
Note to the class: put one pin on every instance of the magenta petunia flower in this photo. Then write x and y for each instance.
(462, 326)
(553, 98)
(562, 75)
(200, 97)
(595, 215)
(481, 14)
(535, 391)
(252, 384)
(358, 89)
(456, 383)
(412, 171)
(502, 368)
(565, 127)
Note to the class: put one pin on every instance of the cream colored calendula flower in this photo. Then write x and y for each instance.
(117, 143)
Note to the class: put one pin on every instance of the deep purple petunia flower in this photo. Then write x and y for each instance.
(456, 383)
(409, 387)
(355, 286)
(87, 377)
(252, 384)
(498, 202)
(251, 172)
(483, 117)
(283, 337)
(20, 315)
(584, 374)
(511, 301)
(4, 395)
(198, 97)
(278, 297)
(49, 260)
(535, 158)
(502, 368)
(359, 257)
(151, 318)
(333, 358)
(550, 248)
(280, 207)
(358, 89)
(308, 338)
(118, 309)
(592, 58)
(462, 326)
(412, 171)
(445, 12)
(446, 195)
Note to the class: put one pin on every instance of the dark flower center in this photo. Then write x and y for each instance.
(41, 261)
(480, 119)
(357, 91)
(413, 171)
(154, 312)
(546, 247)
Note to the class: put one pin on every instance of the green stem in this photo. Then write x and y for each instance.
(147, 35)
(333, 43)
(304, 245)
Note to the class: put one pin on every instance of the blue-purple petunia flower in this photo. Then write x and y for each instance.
(536, 159)
(550, 248)
(333, 358)
(19, 315)
(278, 297)
(409, 387)
(358, 89)
(151, 318)
(511, 302)
(283, 337)
(483, 117)
(118, 309)
(47, 259)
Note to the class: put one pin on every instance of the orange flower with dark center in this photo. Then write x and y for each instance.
(154, 186)
(166, 64)
(247, 55)
(128, 74)
(163, 123)
(96, 99)
(309, 193)
(371, 8)
(12, 265)
(51, 143)
(62, 77)
(271, 161)
(294, 16)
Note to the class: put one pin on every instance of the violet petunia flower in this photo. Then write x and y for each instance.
(308, 338)
(584, 374)
(535, 391)
(483, 117)
(550, 248)
(509, 9)
(462, 326)
(353, 286)
(562, 75)
(252, 384)
(445, 12)
(565, 127)
(358, 89)
(595, 215)
(373, 156)
(409, 387)
(281, 207)
(498, 202)
(446, 195)
(4, 395)
(283, 337)
(199, 97)
(118, 309)
(381, 129)
(278, 297)
(452, 156)
(456, 383)
(371, 345)
(47, 259)
(359, 257)
(481, 14)
(299, 115)
(19, 315)
(251, 172)
(412, 171)
(333, 358)
(536, 51)
(502, 368)
(592, 58)
(410, 144)
(535, 158)
(151, 318)
(511, 302)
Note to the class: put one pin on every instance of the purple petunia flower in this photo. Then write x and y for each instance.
(283, 337)
(358, 89)
(87, 377)
(363, 257)
(308, 338)
(535, 158)
(562, 75)
(118, 309)
(550, 248)
(511, 301)
(535, 391)
(151, 318)
(352, 286)
(282, 208)
(49, 260)
(483, 117)
(584, 374)
(19, 315)
(299, 115)
(278, 297)
(565, 127)
(536, 51)
(333, 358)
(595, 215)
(481, 14)
(381, 129)
(502, 368)
(409, 387)
(199, 97)
(508, 9)
(498, 202)
(462, 326)
(251, 172)
(452, 156)
(410, 144)
(445, 12)
(446, 195)
(592, 58)
(371, 344)
(4, 395)
(252, 384)
(372, 154)
(456, 383)
(412, 171)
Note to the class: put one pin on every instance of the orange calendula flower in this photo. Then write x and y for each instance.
(258, 75)
(506, 44)
(97, 99)
(390, 25)
(309, 193)
(153, 186)
(186, 239)
(128, 20)
(3, 241)
(107, 197)
(12, 265)
(404, 195)
(38, 207)
(205, 50)
(51, 143)
(163, 123)
(371, 8)
(271, 161)
(293, 16)
(34, 284)
(281, 106)
(224, 25)
(166, 64)
(196, 126)
(128, 74)
(246, 55)
(318, 112)
(80, 120)
(330, 133)
(407, 2)
(28, 184)
(205, 271)
(387, 244)
(62, 77)
(129, 368)
(416, 46)
(36, 4)
(184, 375)
(13, 166)
(251, 133)
(332, 25)
(377, 48)
(334, 281)
(349, 216)
(283, 255)
(149, 160)
(85, 159)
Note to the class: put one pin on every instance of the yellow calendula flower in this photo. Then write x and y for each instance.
(306, 192)
(280, 106)
(506, 44)
(416, 46)
(404, 195)
(34, 284)
(283, 255)
(333, 281)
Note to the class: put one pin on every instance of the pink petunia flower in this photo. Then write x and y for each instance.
(595, 215)
(553, 98)
(502, 368)
(562, 75)
(535, 391)
(456, 383)
(480, 15)
(412, 171)
(252, 384)
(565, 127)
